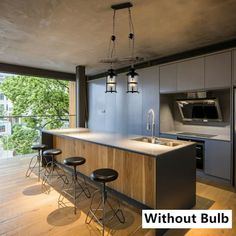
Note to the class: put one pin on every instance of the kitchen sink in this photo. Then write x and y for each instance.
(157, 141)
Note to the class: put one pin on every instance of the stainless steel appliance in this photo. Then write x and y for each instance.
(200, 110)
(199, 151)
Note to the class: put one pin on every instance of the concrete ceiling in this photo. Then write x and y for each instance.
(60, 34)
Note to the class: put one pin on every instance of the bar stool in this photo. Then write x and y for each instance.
(104, 176)
(74, 162)
(52, 166)
(38, 158)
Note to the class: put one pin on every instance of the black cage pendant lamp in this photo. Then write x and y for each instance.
(111, 75)
(132, 75)
(132, 81)
(111, 81)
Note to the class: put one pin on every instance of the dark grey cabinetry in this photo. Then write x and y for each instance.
(218, 70)
(168, 78)
(190, 74)
(150, 96)
(218, 158)
(206, 72)
(134, 111)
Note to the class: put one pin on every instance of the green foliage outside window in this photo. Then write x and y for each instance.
(21, 140)
(45, 101)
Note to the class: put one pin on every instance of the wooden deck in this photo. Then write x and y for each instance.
(25, 210)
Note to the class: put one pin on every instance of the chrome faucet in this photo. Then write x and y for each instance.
(151, 123)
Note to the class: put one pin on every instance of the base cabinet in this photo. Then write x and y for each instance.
(218, 158)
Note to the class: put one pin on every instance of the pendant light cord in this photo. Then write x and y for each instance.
(131, 37)
(112, 43)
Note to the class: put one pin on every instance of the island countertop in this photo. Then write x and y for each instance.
(124, 142)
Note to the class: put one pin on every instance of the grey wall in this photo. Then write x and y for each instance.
(121, 112)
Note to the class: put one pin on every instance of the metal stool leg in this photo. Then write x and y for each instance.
(31, 168)
(39, 161)
(61, 176)
(93, 211)
(53, 168)
(74, 183)
(104, 196)
(116, 211)
(104, 201)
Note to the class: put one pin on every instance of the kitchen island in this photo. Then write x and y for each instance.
(159, 176)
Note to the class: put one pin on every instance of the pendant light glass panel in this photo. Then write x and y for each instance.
(132, 81)
(111, 81)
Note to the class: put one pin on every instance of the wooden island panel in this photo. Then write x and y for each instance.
(137, 173)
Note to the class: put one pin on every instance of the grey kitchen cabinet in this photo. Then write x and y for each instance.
(134, 111)
(234, 67)
(190, 74)
(150, 96)
(218, 158)
(218, 70)
(168, 78)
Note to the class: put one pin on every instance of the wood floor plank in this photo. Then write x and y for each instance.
(25, 210)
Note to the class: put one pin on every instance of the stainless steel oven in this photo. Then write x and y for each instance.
(199, 151)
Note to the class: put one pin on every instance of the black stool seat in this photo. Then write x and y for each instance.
(52, 152)
(104, 175)
(74, 161)
(38, 146)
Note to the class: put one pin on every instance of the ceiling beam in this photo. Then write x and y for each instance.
(179, 56)
(31, 71)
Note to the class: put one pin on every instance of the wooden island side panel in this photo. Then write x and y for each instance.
(137, 173)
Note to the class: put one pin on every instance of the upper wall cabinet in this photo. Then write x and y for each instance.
(207, 72)
(168, 74)
(190, 74)
(218, 70)
(234, 67)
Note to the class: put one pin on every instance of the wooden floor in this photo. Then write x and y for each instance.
(25, 210)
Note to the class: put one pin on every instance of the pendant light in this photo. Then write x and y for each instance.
(132, 81)
(111, 81)
(132, 76)
(111, 75)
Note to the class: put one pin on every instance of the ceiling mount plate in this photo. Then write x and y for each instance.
(121, 6)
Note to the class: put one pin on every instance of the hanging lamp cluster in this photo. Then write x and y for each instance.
(132, 75)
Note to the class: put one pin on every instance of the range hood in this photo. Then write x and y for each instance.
(200, 110)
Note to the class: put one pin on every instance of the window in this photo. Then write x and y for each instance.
(1, 96)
